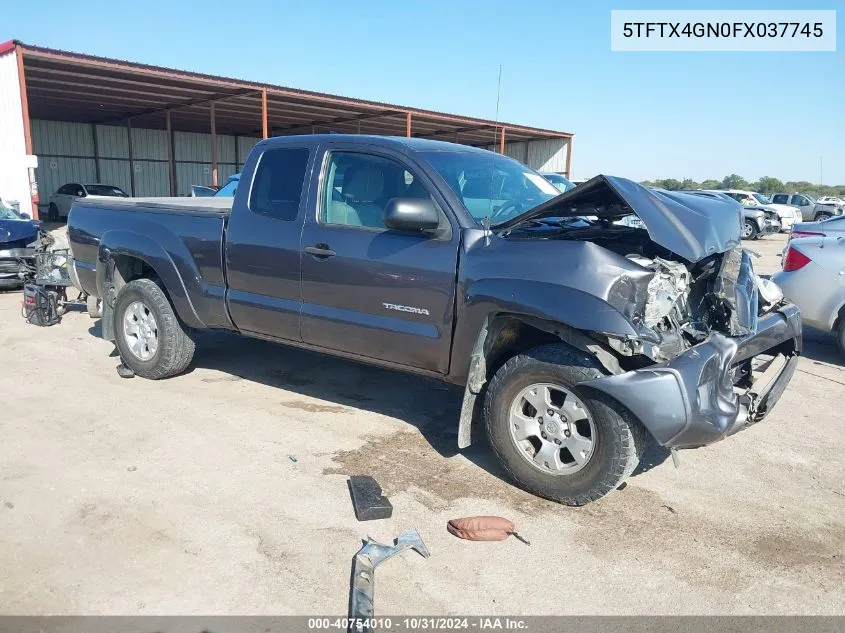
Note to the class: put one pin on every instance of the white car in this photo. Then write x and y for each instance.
(65, 195)
(834, 200)
(787, 214)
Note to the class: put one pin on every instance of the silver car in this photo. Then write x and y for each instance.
(813, 276)
(833, 227)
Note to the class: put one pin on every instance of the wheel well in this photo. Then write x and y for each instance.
(127, 268)
(509, 336)
(839, 319)
(504, 336)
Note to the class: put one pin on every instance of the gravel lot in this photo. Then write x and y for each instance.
(180, 496)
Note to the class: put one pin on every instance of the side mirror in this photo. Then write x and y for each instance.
(411, 214)
(26, 216)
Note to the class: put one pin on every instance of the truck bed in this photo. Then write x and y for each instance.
(179, 238)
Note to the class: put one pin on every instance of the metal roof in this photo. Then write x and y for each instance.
(68, 86)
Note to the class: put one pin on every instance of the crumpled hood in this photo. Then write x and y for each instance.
(690, 226)
(14, 230)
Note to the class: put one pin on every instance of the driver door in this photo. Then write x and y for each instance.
(371, 291)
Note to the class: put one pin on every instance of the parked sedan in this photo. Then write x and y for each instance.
(813, 277)
(830, 200)
(834, 227)
(65, 195)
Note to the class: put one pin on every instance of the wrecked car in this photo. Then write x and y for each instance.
(17, 238)
(575, 334)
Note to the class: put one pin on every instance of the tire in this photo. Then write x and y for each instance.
(822, 216)
(617, 437)
(94, 306)
(840, 336)
(53, 213)
(173, 349)
(750, 231)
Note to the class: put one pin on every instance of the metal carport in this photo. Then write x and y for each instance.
(72, 105)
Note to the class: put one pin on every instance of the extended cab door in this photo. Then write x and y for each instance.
(803, 203)
(262, 242)
(368, 290)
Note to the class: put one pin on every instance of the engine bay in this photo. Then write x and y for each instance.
(681, 302)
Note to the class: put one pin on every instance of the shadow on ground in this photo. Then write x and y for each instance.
(430, 405)
(821, 347)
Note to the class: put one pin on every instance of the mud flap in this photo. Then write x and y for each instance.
(107, 318)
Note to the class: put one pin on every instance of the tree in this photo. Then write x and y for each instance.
(734, 182)
(689, 183)
(711, 184)
(768, 185)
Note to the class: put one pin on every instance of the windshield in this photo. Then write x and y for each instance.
(228, 190)
(7, 213)
(762, 199)
(561, 183)
(490, 185)
(106, 190)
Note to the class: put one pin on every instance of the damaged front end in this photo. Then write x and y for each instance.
(726, 347)
(711, 345)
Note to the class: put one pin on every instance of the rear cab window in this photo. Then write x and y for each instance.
(277, 187)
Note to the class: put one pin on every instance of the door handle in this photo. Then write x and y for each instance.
(320, 251)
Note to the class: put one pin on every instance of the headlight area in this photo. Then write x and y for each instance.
(679, 306)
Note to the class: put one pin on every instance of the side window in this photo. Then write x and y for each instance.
(277, 188)
(63, 190)
(357, 188)
(801, 201)
(780, 199)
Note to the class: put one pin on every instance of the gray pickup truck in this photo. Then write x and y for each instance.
(573, 335)
(811, 209)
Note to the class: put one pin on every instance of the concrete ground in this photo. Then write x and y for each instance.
(223, 491)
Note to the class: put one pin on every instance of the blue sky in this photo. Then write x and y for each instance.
(639, 115)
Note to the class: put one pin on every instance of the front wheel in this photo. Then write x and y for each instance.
(840, 336)
(749, 230)
(53, 213)
(151, 340)
(556, 439)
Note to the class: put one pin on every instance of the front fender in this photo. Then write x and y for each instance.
(549, 302)
(129, 243)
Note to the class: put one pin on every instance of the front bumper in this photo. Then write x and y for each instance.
(786, 222)
(770, 226)
(692, 400)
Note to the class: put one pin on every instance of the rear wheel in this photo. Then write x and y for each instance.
(749, 230)
(151, 340)
(840, 336)
(556, 439)
(822, 216)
